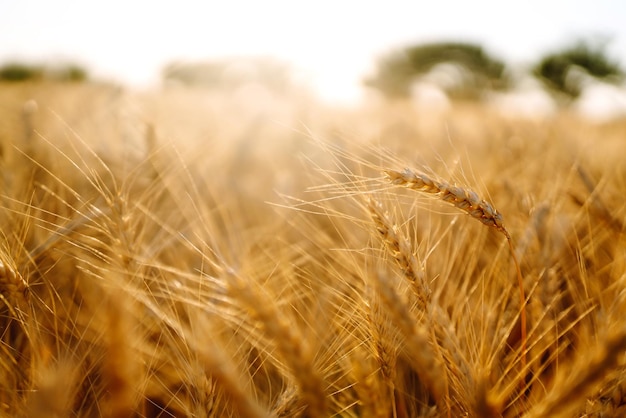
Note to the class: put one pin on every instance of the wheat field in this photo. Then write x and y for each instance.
(188, 254)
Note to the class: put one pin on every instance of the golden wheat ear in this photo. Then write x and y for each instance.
(13, 288)
(469, 202)
(464, 199)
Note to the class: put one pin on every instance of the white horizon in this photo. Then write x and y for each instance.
(335, 44)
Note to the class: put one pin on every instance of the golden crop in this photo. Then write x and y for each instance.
(185, 253)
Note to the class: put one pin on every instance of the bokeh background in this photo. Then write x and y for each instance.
(333, 49)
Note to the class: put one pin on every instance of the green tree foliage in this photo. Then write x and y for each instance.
(396, 72)
(20, 72)
(71, 72)
(15, 72)
(556, 69)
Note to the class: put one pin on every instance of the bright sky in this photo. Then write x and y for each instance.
(335, 42)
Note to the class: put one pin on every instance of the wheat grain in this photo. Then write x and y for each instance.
(383, 340)
(572, 386)
(119, 370)
(462, 198)
(423, 355)
(375, 394)
(400, 249)
(442, 332)
(70, 234)
(384, 345)
(13, 287)
(219, 365)
(469, 202)
(291, 344)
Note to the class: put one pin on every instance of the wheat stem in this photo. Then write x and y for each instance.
(469, 202)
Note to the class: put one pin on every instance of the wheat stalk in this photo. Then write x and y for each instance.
(290, 342)
(400, 249)
(574, 385)
(437, 320)
(220, 365)
(423, 351)
(469, 202)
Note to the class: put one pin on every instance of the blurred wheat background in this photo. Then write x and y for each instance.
(176, 254)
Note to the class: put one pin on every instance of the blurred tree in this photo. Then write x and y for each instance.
(69, 72)
(20, 72)
(231, 73)
(16, 71)
(475, 70)
(565, 71)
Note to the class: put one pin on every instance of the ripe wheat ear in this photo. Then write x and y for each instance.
(464, 199)
(469, 202)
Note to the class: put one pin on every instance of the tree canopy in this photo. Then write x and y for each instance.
(18, 71)
(396, 72)
(230, 73)
(557, 69)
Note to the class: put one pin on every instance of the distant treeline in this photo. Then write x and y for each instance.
(231, 73)
(471, 70)
(18, 71)
(463, 70)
